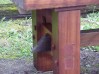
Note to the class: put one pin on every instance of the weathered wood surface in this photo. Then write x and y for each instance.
(45, 4)
(41, 26)
(69, 42)
(55, 41)
(89, 37)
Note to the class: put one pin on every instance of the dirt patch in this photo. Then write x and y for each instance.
(89, 65)
(18, 66)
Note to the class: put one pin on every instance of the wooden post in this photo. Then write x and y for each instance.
(68, 46)
(65, 42)
(55, 42)
(42, 26)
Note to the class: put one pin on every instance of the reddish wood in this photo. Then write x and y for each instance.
(43, 60)
(69, 42)
(41, 28)
(89, 38)
(70, 8)
(44, 4)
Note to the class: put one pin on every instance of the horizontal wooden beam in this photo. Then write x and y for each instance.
(89, 37)
(46, 4)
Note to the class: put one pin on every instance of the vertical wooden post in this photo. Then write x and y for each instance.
(55, 42)
(65, 42)
(41, 26)
(69, 41)
(34, 31)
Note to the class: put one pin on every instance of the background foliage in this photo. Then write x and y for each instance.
(15, 38)
(5, 1)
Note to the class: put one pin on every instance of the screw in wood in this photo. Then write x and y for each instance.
(35, 27)
(33, 36)
(53, 46)
(56, 62)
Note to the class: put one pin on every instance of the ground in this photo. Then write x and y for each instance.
(89, 65)
(19, 66)
(89, 61)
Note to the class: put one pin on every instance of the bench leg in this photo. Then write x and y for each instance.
(41, 26)
(67, 42)
(65, 32)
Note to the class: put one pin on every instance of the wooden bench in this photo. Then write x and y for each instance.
(61, 20)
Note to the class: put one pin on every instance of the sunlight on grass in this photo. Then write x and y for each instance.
(15, 38)
(91, 22)
(5, 1)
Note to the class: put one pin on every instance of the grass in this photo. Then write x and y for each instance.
(15, 38)
(15, 35)
(5, 1)
(7, 8)
(91, 22)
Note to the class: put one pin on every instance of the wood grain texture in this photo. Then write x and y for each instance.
(89, 39)
(46, 4)
(69, 42)
(42, 27)
(55, 46)
(42, 60)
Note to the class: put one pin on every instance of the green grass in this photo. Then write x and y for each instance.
(15, 35)
(15, 38)
(91, 22)
(5, 2)
(7, 8)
